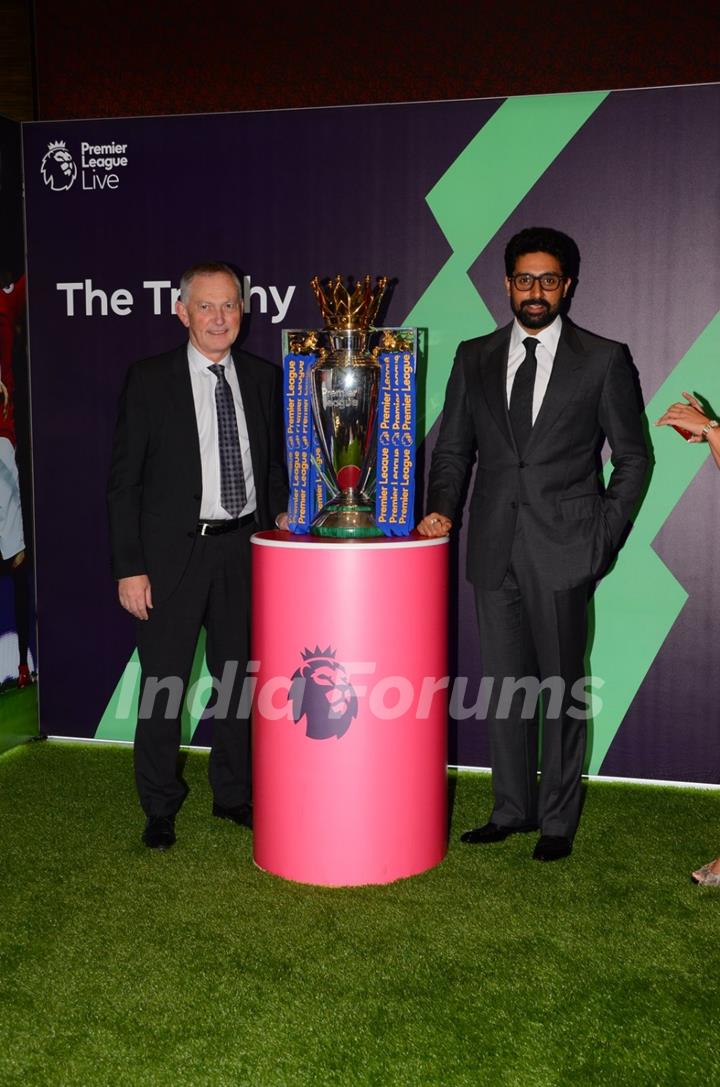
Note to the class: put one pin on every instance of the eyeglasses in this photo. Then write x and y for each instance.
(548, 281)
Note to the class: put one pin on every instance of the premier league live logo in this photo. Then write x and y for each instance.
(321, 692)
(98, 168)
(58, 167)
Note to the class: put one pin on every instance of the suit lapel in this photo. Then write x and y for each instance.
(183, 411)
(566, 372)
(493, 377)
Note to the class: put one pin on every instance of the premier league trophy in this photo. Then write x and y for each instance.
(350, 418)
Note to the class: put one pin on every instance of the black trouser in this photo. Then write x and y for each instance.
(215, 593)
(529, 630)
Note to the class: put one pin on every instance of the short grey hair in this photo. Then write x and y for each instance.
(207, 268)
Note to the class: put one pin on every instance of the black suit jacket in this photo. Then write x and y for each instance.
(155, 485)
(573, 523)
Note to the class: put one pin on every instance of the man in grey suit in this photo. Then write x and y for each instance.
(534, 402)
(197, 467)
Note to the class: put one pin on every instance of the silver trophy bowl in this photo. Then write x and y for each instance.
(344, 393)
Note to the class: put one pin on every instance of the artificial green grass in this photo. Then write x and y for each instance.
(119, 965)
(18, 715)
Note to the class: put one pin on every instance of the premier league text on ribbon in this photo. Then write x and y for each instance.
(395, 488)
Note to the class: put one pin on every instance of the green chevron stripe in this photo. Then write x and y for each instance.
(118, 720)
(637, 606)
(638, 603)
(471, 201)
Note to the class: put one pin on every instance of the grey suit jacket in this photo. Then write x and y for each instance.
(155, 485)
(574, 523)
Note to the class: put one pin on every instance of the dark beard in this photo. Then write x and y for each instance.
(540, 320)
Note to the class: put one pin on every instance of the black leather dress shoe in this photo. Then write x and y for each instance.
(159, 832)
(552, 847)
(493, 832)
(241, 814)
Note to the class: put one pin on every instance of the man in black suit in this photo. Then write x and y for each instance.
(535, 401)
(197, 467)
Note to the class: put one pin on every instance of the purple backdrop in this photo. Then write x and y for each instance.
(288, 194)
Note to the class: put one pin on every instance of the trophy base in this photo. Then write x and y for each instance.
(346, 522)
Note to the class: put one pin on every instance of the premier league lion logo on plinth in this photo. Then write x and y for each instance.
(321, 692)
(58, 167)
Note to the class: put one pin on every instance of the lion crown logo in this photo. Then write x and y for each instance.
(321, 692)
(58, 167)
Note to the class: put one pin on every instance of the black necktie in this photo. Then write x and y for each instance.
(232, 478)
(521, 397)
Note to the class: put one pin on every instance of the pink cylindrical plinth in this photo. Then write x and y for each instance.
(350, 710)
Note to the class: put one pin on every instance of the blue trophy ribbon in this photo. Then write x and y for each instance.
(395, 468)
(306, 487)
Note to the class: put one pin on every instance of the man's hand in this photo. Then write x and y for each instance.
(282, 522)
(434, 524)
(135, 595)
(4, 400)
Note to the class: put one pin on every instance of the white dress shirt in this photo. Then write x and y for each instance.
(203, 387)
(547, 341)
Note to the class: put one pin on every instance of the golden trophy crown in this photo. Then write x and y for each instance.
(350, 309)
